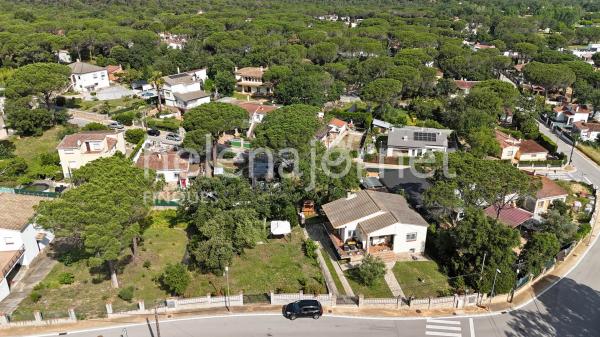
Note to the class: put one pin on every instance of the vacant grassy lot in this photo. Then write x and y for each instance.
(590, 151)
(378, 290)
(277, 264)
(29, 148)
(421, 278)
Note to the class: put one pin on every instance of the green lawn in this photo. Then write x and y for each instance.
(379, 290)
(96, 106)
(274, 265)
(29, 148)
(421, 278)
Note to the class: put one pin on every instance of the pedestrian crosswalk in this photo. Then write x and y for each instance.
(443, 327)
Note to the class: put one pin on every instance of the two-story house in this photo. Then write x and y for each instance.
(78, 149)
(509, 145)
(170, 167)
(413, 141)
(571, 113)
(371, 222)
(87, 77)
(587, 131)
(250, 81)
(20, 239)
(543, 199)
(184, 90)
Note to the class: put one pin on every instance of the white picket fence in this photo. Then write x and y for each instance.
(278, 299)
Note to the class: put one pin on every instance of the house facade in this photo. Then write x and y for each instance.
(529, 150)
(78, 149)
(21, 240)
(370, 222)
(169, 166)
(587, 131)
(509, 145)
(332, 133)
(548, 193)
(571, 113)
(250, 81)
(87, 77)
(415, 141)
(184, 90)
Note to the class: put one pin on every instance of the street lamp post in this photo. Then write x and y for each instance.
(573, 144)
(494, 287)
(227, 295)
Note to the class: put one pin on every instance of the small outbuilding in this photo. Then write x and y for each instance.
(280, 228)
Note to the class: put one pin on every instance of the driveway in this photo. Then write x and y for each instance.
(112, 92)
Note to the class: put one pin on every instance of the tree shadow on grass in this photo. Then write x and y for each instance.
(568, 309)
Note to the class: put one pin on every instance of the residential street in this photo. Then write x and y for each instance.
(570, 308)
(587, 170)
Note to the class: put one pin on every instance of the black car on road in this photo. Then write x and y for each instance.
(303, 308)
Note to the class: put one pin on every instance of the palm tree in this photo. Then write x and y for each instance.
(158, 81)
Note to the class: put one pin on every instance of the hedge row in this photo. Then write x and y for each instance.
(169, 124)
(547, 143)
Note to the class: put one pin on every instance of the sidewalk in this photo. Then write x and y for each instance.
(34, 275)
(391, 281)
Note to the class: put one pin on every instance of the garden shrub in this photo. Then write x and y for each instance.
(126, 294)
(66, 278)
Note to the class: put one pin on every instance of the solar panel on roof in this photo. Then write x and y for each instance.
(178, 75)
(425, 136)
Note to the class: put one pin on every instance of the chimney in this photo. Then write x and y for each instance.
(577, 108)
(178, 71)
(350, 196)
(159, 155)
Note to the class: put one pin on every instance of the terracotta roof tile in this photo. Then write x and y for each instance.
(505, 140)
(511, 216)
(256, 72)
(337, 122)
(16, 210)
(71, 141)
(550, 189)
(166, 161)
(530, 146)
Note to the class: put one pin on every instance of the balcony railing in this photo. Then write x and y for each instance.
(13, 260)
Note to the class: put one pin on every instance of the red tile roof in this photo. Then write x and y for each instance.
(166, 161)
(506, 140)
(257, 108)
(510, 216)
(464, 85)
(571, 109)
(550, 189)
(256, 72)
(75, 140)
(530, 146)
(594, 126)
(337, 122)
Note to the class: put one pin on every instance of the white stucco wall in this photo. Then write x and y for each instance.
(401, 245)
(170, 176)
(14, 240)
(90, 81)
(4, 290)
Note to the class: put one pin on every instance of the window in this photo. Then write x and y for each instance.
(509, 153)
(9, 241)
(351, 233)
(411, 237)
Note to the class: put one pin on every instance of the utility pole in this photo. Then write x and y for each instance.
(226, 297)
(156, 320)
(482, 266)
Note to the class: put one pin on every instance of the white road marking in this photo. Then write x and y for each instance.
(441, 321)
(472, 327)
(443, 327)
(448, 334)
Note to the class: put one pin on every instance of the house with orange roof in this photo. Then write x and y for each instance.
(530, 150)
(571, 113)
(78, 149)
(543, 199)
(170, 167)
(508, 144)
(465, 86)
(332, 133)
(113, 71)
(587, 131)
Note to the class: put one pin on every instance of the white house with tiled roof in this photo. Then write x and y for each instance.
(20, 239)
(78, 149)
(184, 90)
(250, 81)
(375, 222)
(87, 77)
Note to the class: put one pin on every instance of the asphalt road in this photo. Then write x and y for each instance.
(587, 170)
